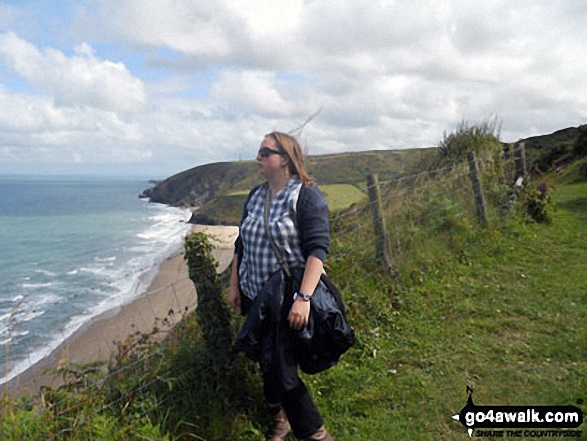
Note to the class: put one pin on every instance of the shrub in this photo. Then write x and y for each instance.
(539, 204)
(481, 139)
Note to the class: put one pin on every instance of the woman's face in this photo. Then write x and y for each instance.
(269, 162)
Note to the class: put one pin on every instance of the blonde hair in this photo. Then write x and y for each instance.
(290, 146)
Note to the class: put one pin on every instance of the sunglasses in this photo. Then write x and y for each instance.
(265, 152)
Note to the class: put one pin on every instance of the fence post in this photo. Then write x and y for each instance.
(520, 160)
(479, 201)
(512, 196)
(521, 179)
(383, 254)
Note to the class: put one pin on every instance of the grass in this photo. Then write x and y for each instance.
(338, 196)
(239, 193)
(502, 311)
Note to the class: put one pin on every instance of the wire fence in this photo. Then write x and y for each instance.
(408, 204)
(435, 200)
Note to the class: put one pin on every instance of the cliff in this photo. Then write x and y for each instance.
(198, 185)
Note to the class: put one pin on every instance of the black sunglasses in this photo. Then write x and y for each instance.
(265, 152)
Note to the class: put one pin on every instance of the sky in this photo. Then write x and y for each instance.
(152, 88)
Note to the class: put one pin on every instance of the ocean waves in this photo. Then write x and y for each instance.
(82, 265)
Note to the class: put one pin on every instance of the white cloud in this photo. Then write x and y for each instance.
(191, 28)
(221, 74)
(33, 130)
(251, 91)
(80, 80)
(268, 19)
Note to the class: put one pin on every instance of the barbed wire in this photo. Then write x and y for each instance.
(364, 229)
(461, 192)
(386, 184)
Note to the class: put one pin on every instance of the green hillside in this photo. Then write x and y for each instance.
(213, 187)
(353, 167)
(559, 147)
(201, 184)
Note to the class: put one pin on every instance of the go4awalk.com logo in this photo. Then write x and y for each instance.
(517, 421)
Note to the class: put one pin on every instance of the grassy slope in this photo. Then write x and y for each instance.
(553, 149)
(341, 196)
(353, 167)
(503, 312)
(500, 310)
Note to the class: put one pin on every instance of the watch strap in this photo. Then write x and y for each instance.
(304, 297)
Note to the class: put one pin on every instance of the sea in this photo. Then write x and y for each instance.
(73, 248)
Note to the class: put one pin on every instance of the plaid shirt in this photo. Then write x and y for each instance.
(259, 261)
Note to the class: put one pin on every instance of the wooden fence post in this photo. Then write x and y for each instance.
(509, 204)
(383, 254)
(520, 160)
(521, 179)
(479, 200)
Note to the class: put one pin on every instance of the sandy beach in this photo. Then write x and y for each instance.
(169, 295)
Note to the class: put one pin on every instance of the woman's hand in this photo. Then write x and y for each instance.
(300, 310)
(299, 314)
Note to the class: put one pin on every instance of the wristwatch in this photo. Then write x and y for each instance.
(304, 297)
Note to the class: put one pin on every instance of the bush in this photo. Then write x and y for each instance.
(481, 139)
(539, 204)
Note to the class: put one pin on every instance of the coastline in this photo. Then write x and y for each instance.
(169, 295)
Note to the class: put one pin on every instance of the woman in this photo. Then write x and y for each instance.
(298, 224)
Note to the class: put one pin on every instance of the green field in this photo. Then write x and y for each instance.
(229, 207)
(341, 196)
(338, 196)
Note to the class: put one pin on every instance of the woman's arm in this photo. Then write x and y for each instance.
(300, 310)
(315, 238)
(234, 294)
(312, 219)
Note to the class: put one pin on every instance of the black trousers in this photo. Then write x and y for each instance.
(282, 386)
(302, 413)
